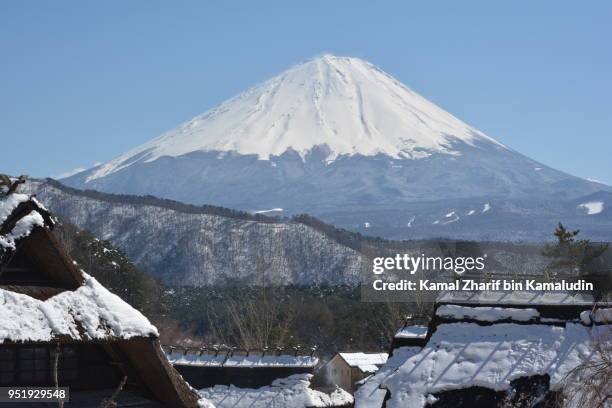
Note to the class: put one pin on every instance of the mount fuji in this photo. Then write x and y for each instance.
(338, 138)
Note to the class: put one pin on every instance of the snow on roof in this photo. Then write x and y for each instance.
(89, 312)
(255, 360)
(293, 391)
(9, 203)
(368, 368)
(23, 227)
(370, 394)
(411, 332)
(516, 297)
(462, 355)
(364, 359)
(486, 314)
(603, 315)
(207, 360)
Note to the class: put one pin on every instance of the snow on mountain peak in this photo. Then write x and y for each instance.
(347, 104)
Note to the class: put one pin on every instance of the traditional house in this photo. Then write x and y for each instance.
(232, 378)
(346, 369)
(495, 349)
(207, 367)
(60, 327)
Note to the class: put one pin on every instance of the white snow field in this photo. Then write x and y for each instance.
(291, 392)
(347, 104)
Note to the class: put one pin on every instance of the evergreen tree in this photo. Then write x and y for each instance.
(570, 255)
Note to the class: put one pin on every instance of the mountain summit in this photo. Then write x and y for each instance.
(345, 104)
(339, 138)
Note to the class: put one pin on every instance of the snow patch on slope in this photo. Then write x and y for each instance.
(271, 210)
(592, 207)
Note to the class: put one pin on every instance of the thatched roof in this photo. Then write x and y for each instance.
(516, 298)
(21, 217)
(82, 310)
(480, 349)
(73, 306)
(233, 358)
(89, 312)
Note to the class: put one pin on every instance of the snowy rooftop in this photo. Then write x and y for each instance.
(462, 355)
(364, 359)
(90, 312)
(516, 298)
(224, 359)
(411, 332)
(293, 391)
(486, 314)
(370, 394)
(603, 315)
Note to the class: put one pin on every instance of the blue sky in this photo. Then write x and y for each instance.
(81, 82)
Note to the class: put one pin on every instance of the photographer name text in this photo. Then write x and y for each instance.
(472, 285)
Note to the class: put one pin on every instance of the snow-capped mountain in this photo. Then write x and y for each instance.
(346, 104)
(339, 138)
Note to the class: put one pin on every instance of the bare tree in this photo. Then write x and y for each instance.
(259, 323)
(55, 372)
(110, 402)
(589, 385)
